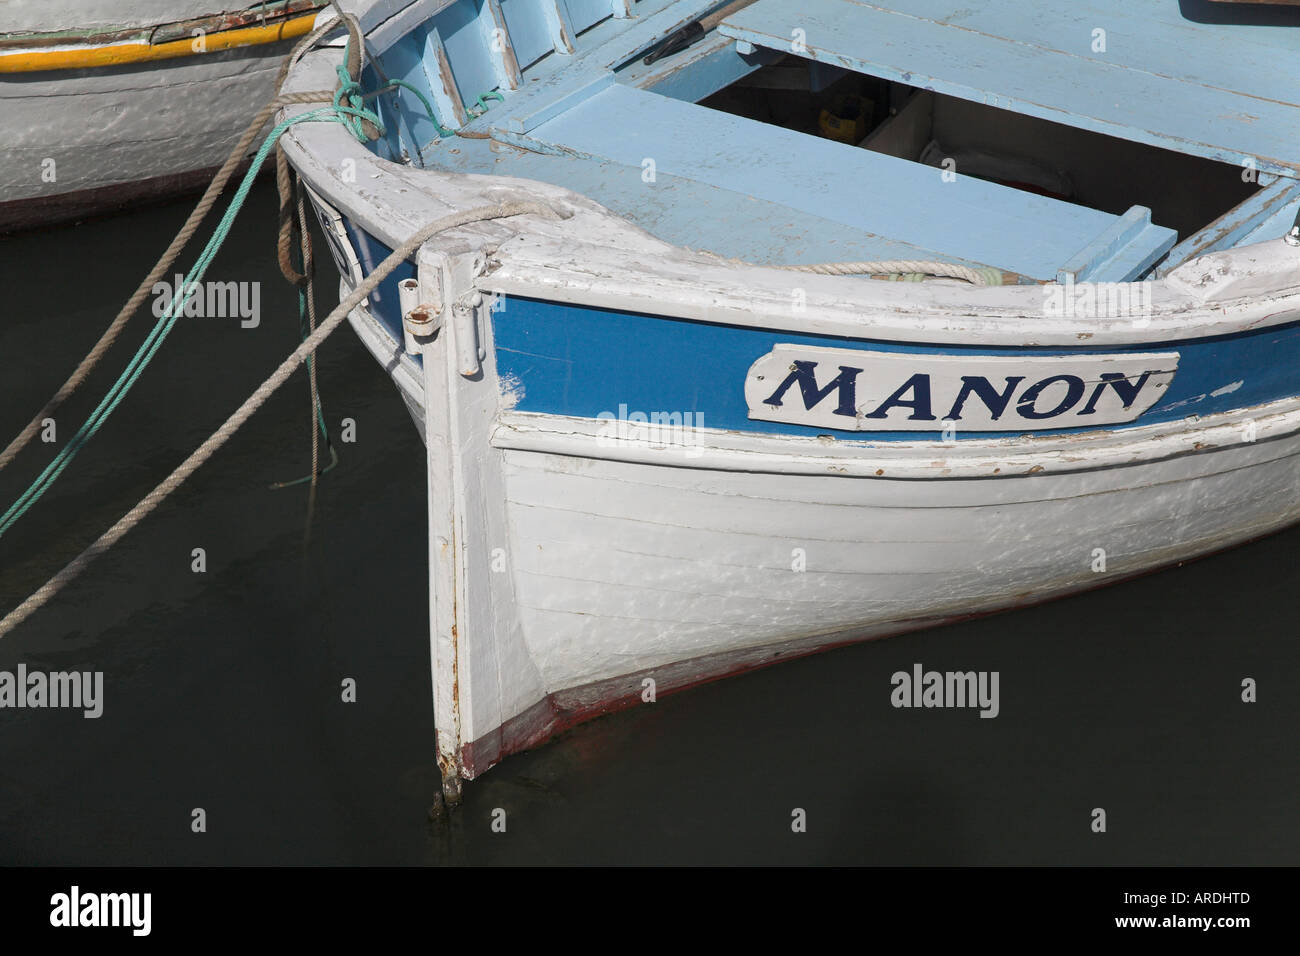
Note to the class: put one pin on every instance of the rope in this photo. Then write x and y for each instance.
(307, 325)
(355, 119)
(223, 434)
(166, 322)
(348, 73)
(982, 276)
(313, 392)
(170, 254)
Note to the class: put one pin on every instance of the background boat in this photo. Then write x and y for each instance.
(109, 102)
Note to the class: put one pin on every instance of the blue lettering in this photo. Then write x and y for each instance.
(995, 401)
(1073, 392)
(1126, 390)
(919, 385)
(804, 373)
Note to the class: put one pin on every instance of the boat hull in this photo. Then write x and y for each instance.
(88, 141)
(651, 466)
(611, 568)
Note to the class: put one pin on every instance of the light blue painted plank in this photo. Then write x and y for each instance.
(560, 26)
(405, 61)
(697, 72)
(496, 34)
(473, 64)
(1128, 248)
(604, 47)
(969, 218)
(524, 120)
(442, 86)
(529, 32)
(1268, 214)
(1117, 96)
(1151, 37)
(585, 13)
(1275, 225)
(692, 214)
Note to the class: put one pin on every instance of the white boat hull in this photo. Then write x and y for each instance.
(585, 568)
(83, 141)
(809, 490)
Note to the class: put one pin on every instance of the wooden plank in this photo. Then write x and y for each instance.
(692, 214)
(1041, 62)
(697, 72)
(1151, 37)
(585, 13)
(607, 45)
(1268, 214)
(529, 33)
(442, 83)
(561, 27)
(968, 218)
(1111, 251)
(499, 43)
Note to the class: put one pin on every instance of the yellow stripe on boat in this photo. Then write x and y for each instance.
(78, 58)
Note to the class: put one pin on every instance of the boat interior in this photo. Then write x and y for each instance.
(1090, 140)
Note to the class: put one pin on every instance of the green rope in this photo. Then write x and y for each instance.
(352, 115)
(320, 410)
(491, 95)
(443, 131)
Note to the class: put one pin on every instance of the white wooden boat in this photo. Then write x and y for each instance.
(106, 102)
(649, 462)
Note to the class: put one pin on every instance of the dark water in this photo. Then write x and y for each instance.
(222, 689)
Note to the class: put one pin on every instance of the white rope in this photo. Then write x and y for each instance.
(218, 438)
(947, 270)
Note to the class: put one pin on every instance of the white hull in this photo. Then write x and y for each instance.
(111, 129)
(622, 568)
(585, 570)
(84, 140)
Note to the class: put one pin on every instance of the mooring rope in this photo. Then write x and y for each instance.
(307, 325)
(343, 110)
(985, 275)
(166, 322)
(170, 254)
(218, 438)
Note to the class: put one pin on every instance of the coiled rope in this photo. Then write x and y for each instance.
(905, 268)
(218, 438)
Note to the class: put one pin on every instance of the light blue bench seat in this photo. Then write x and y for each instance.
(967, 218)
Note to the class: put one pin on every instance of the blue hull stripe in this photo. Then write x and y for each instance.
(580, 361)
(584, 362)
